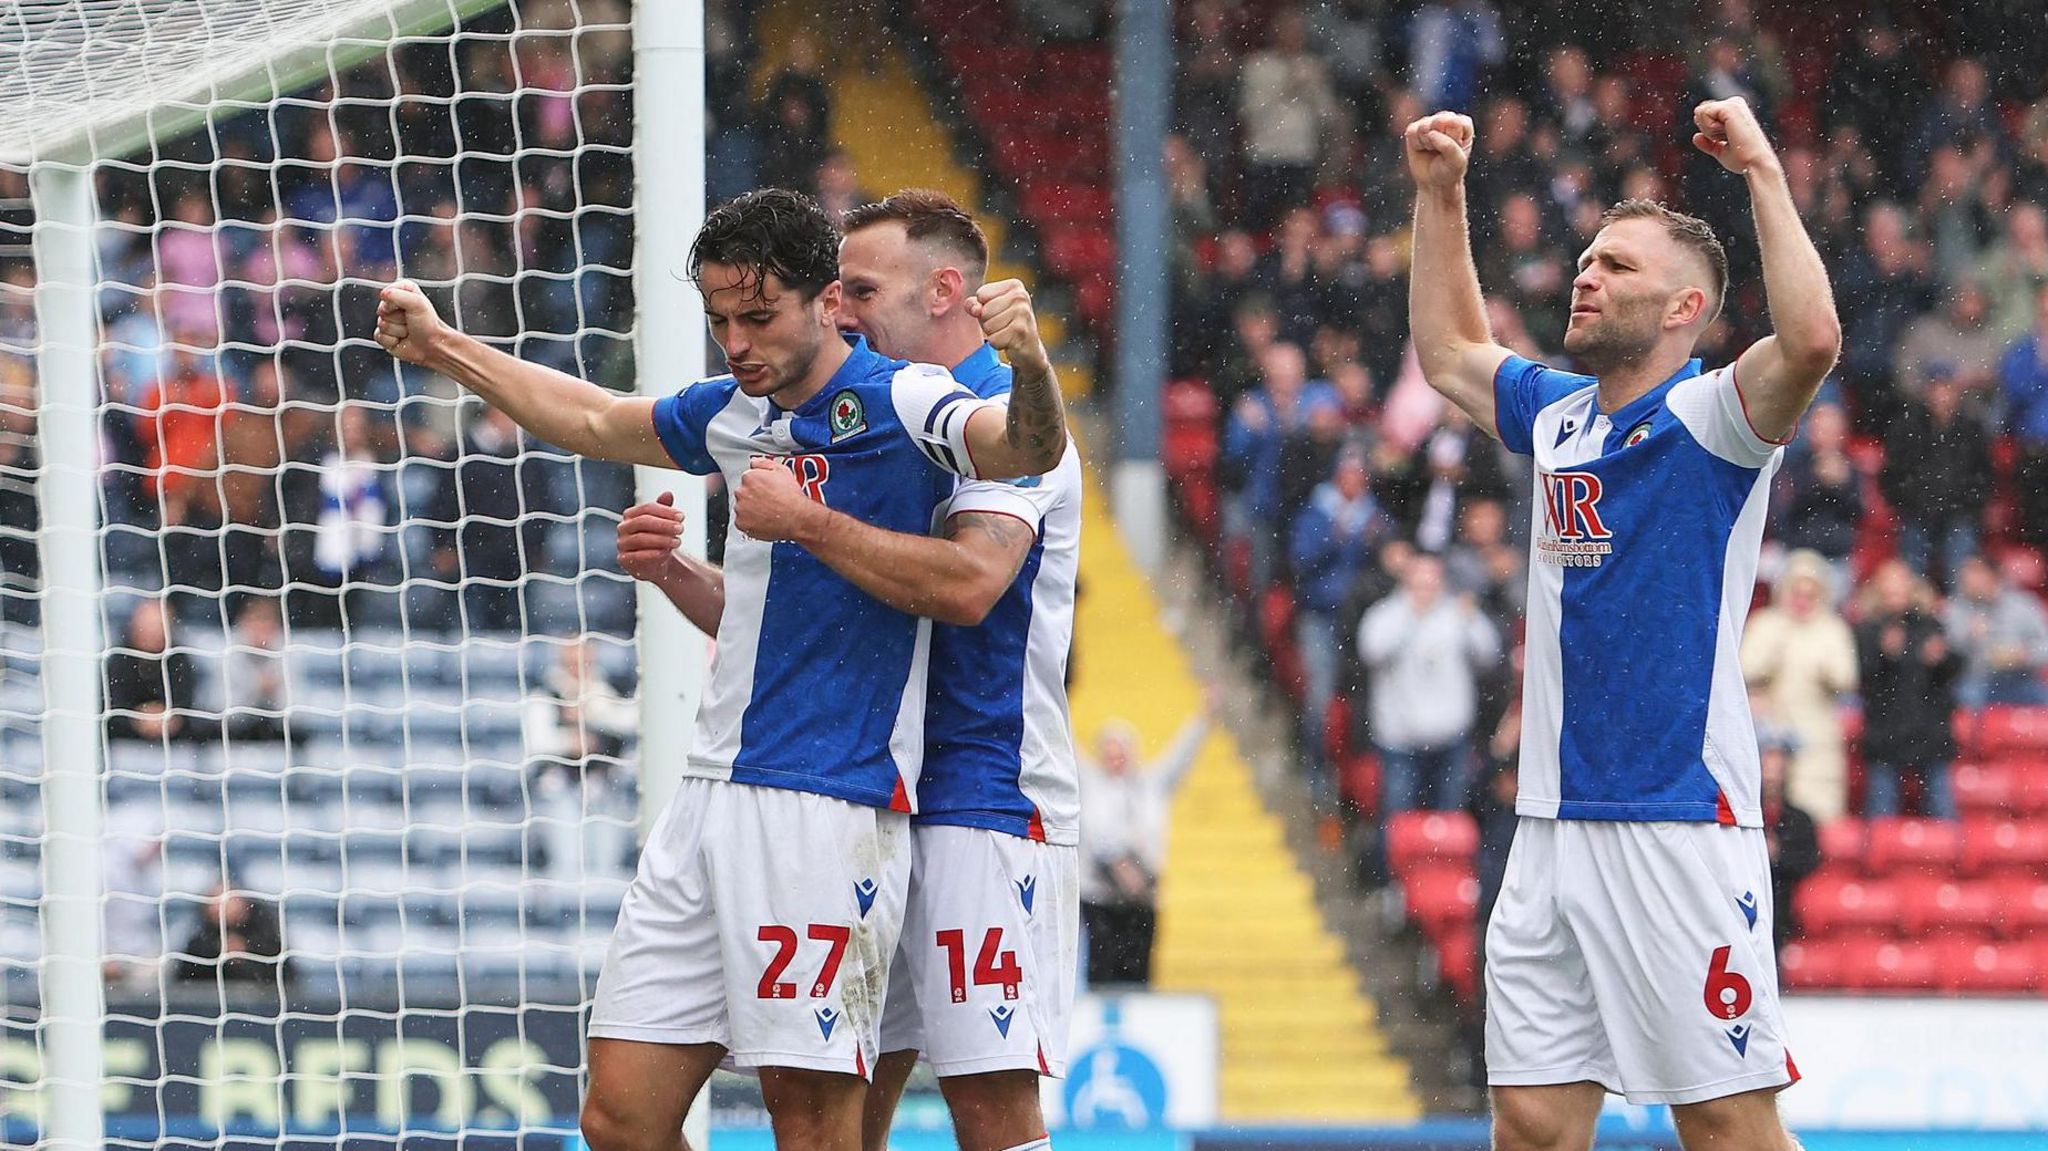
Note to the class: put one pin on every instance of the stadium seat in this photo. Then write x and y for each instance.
(1931, 905)
(1984, 789)
(1440, 899)
(2022, 906)
(1926, 845)
(2004, 845)
(1431, 839)
(1875, 965)
(1810, 965)
(1841, 844)
(1457, 961)
(1830, 903)
(2012, 732)
(1358, 782)
(1976, 966)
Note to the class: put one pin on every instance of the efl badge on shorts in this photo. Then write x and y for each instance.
(848, 419)
(1637, 434)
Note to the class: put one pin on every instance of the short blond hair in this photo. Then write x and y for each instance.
(1690, 232)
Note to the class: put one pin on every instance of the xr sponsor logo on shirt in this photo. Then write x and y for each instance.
(1573, 535)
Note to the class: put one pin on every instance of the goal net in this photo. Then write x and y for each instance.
(364, 762)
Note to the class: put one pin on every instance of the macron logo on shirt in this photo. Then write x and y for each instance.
(1573, 533)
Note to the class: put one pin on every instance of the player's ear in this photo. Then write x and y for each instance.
(944, 291)
(830, 301)
(1688, 307)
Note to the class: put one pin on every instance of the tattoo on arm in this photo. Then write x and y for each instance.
(1037, 423)
(1013, 534)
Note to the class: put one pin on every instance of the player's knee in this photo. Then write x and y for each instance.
(995, 1110)
(605, 1129)
(1521, 1124)
(1735, 1123)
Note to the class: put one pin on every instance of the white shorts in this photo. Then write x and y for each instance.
(763, 920)
(1637, 956)
(984, 979)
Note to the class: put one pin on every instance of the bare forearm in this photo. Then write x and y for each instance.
(1796, 288)
(1036, 429)
(1446, 310)
(921, 575)
(551, 405)
(697, 589)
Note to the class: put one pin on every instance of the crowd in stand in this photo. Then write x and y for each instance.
(1903, 560)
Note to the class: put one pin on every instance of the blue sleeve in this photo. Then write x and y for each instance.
(680, 421)
(1521, 389)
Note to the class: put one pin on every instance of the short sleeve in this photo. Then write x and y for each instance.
(1522, 389)
(680, 421)
(934, 410)
(1710, 406)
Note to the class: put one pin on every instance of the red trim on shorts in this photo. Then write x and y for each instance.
(1045, 1068)
(1736, 380)
(860, 1062)
(1791, 1068)
(900, 801)
(1723, 814)
(1037, 828)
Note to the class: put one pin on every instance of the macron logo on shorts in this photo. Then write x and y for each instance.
(864, 894)
(1027, 892)
(827, 1020)
(1739, 1036)
(1002, 1016)
(1747, 902)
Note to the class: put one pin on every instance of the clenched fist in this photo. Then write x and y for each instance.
(649, 537)
(1729, 133)
(407, 326)
(769, 503)
(1439, 147)
(1008, 323)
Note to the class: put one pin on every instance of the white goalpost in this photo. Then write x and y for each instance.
(326, 717)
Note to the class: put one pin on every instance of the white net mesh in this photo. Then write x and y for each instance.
(370, 665)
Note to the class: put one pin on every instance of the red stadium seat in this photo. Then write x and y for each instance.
(1931, 905)
(1188, 442)
(2004, 845)
(1054, 202)
(2022, 907)
(1358, 780)
(1841, 844)
(1974, 966)
(1441, 899)
(1875, 965)
(1984, 789)
(1927, 845)
(1431, 839)
(1457, 962)
(1833, 903)
(1074, 251)
(2012, 732)
(1810, 966)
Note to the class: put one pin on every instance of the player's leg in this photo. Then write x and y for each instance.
(885, 1091)
(1547, 1057)
(813, 1110)
(1745, 1122)
(658, 1021)
(1550, 1117)
(994, 1111)
(807, 937)
(1674, 921)
(992, 959)
(640, 1093)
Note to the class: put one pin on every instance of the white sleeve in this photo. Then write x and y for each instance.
(1711, 408)
(1030, 499)
(934, 410)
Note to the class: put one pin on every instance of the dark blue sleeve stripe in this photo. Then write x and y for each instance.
(931, 418)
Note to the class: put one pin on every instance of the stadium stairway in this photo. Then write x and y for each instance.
(887, 124)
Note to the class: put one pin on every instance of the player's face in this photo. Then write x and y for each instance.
(771, 334)
(1621, 294)
(886, 285)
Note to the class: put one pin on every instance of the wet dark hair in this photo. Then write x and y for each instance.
(1690, 232)
(772, 232)
(927, 216)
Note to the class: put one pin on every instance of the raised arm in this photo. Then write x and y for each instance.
(650, 537)
(1032, 439)
(554, 406)
(1446, 313)
(955, 577)
(1780, 373)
